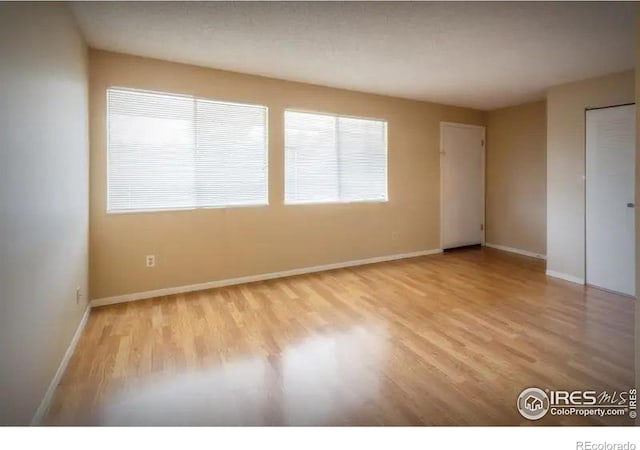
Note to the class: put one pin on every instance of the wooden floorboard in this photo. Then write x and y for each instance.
(447, 339)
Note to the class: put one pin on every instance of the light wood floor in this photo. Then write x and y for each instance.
(448, 339)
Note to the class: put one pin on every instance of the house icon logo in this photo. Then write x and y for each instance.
(533, 403)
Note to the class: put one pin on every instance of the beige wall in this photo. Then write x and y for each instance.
(566, 164)
(44, 168)
(214, 244)
(517, 177)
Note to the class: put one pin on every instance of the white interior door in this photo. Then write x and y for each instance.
(462, 184)
(610, 198)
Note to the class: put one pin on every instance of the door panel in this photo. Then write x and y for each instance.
(610, 190)
(462, 171)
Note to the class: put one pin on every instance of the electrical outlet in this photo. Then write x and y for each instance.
(394, 235)
(151, 260)
(78, 295)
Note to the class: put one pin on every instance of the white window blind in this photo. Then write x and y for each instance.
(334, 159)
(170, 151)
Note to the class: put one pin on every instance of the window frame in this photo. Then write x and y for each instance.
(385, 122)
(110, 211)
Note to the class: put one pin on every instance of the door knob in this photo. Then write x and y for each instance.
(631, 205)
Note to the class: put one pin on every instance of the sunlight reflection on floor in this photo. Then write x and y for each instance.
(308, 383)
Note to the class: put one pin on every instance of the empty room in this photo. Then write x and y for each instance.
(352, 214)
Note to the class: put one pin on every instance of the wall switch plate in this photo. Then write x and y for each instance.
(151, 260)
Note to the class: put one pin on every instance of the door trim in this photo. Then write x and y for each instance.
(483, 176)
(610, 106)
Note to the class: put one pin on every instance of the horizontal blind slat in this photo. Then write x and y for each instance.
(173, 151)
(231, 147)
(334, 159)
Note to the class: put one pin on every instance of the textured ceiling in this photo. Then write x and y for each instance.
(480, 55)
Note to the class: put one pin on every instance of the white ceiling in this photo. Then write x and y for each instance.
(480, 55)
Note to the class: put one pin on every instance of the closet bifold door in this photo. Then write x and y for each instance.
(610, 198)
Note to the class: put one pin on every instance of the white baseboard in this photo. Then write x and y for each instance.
(48, 396)
(516, 250)
(251, 278)
(564, 276)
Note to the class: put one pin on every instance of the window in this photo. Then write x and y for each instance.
(334, 159)
(170, 151)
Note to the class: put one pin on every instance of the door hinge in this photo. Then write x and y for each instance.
(481, 227)
(482, 142)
